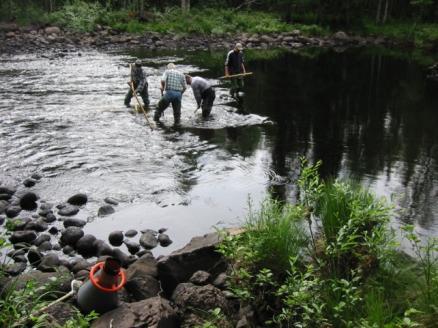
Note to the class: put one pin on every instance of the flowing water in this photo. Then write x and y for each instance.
(366, 115)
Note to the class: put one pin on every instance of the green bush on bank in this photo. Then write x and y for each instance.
(343, 270)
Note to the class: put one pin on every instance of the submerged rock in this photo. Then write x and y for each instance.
(111, 201)
(105, 210)
(131, 233)
(78, 199)
(164, 240)
(68, 210)
(29, 183)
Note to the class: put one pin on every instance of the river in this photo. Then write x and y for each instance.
(367, 115)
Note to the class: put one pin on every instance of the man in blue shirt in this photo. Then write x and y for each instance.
(173, 85)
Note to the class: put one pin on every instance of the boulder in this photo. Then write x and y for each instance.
(70, 222)
(50, 217)
(14, 269)
(71, 235)
(52, 30)
(53, 230)
(86, 246)
(141, 278)
(78, 199)
(28, 201)
(102, 248)
(41, 239)
(124, 259)
(67, 250)
(164, 240)
(5, 196)
(131, 233)
(132, 246)
(23, 236)
(155, 312)
(49, 263)
(12, 211)
(29, 182)
(58, 314)
(37, 225)
(116, 238)
(68, 210)
(148, 240)
(220, 281)
(7, 190)
(18, 223)
(34, 256)
(199, 254)
(200, 278)
(189, 296)
(80, 265)
(45, 246)
(105, 210)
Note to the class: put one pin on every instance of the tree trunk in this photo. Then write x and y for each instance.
(379, 9)
(141, 12)
(385, 16)
(185, 5)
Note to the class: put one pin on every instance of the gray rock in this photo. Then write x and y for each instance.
(53, 230)
(148, 240)
(50, 217)
(28, 201)
(45, 246)
(2, 219)
(52, 30)
(15, 269)
(20, 258)
(220, 281)
(22, 236)
(141, 278)
(71, 235)
(340, 36)
(29, 183)
(18, 223)
(86, 246)
(49, 263)
(200, 278)
(155, 312)
(12, 211)
(7, 190)
(162, 230)
(199, 254)
(102, 248)
(58, 314)
(116, 238)
(164, 240)
(4, 204)
(41, 239)
(80, 265)
(67, 250)
(111, 201)
(68, 210)
(70, 222)
(34, 256)
(36, 176)
(123, 258)
(132, 246)
(37, 225)
(105, 210)
(78, 199)
(5, 196)
(131, 233)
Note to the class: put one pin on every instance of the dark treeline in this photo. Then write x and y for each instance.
(326, 12)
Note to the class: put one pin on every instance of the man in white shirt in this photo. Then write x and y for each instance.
(203, 92)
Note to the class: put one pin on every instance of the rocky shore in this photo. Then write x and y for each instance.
(14, 39)
(49, 247)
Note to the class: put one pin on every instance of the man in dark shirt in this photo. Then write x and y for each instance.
(138, 77)
(234, 64)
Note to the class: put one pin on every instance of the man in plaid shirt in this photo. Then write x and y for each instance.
(173, 84)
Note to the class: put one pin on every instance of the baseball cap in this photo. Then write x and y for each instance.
(239, 46)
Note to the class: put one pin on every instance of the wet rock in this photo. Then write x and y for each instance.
(68, 210)
(29, 183)
(53, 230)
(141, 278)
(340, 36)
(132, 246)
(123, 258)
(22, 236)
(102, 248)
(41, 239)
(220, 281)
(82, 275)
(18, 252)
(2, 219)
(86, 246)
(7, 190)
(164, 240)
(20, 258)
(28, 201)
(116, 238)
(52, 30)
(45, 246)
(71, 235)
(155, 312)
(37, 225)
(162, 230)
(199, 254)
(58, 314)
(74, 223)
(12, 211)
(205, 298)
(56, 247)
(111, 201)
(148, 240)
(67, 250)
(131, 233)
(143, 252)
(78, 199)
(50, 217)
(36, 176)
(200, 278)
(105, 210)
(49, 263)
(3, 206)
(5, 196)
(34, 256)
(15, 269)
(18, 223)
(80, 265)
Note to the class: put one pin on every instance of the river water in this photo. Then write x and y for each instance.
(366, 115)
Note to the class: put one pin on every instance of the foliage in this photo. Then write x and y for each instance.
(213, 319)
(81, 321)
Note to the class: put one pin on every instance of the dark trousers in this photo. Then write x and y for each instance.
(236, 86)
(170, 97)
(143, 94)
(208, 97)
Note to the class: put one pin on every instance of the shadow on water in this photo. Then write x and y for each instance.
(365, 114)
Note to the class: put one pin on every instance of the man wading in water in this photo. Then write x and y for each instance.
(234, 64)
(203, 92)
(138, 78)
(173, 84)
